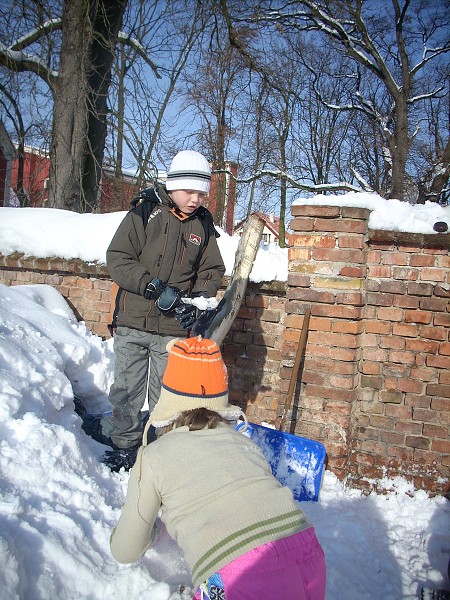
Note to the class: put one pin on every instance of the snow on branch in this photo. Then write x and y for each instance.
(136, 45)
(20, 61)
(36, 34)
(433, 94)
(323, 187)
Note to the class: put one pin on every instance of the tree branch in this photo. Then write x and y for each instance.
(36, 34)
(126, 39)
(18, 61)
(324, 187)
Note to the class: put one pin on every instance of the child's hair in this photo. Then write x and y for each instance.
(199, 418)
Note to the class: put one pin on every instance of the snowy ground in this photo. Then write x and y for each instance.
(58, 502)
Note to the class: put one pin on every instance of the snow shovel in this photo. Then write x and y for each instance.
(295, 461)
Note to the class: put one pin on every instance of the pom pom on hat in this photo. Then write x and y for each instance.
(195, 377)
(189, 171)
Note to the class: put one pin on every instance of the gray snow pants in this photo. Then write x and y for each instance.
(132, 349)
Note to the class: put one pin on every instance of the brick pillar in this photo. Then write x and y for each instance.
(402, 422)
(327, 267)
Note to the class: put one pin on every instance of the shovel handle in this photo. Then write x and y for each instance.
(298, 358)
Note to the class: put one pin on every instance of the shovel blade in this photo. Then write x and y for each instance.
(296, 462)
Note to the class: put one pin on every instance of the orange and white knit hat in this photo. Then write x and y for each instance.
(195, 377)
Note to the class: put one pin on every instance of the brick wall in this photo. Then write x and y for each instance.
(374, 385)
(376, 378)
(86, 287)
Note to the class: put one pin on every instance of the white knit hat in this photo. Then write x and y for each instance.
(189, 171)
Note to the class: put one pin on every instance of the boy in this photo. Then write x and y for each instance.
(164, 249)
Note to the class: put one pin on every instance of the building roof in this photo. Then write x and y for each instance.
(272, 223)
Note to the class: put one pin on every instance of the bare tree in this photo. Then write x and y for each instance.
(79, 77)
(391, 44)
(213, 87)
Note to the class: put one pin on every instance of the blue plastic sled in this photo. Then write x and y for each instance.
(296, 462)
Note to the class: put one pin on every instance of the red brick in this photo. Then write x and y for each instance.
(438, 275)
(390, 314)
(379, 271)
(422, 346)
(338, 255)
(397, 439)
(350, 241)
(423, 374)
(306, 224)
(399, 412)
(378, 299)
(405, 330)
(442, 319)
(409, 427)
(441, 446)
(309, 210)
(370, 368)
(256, 301)
(417, 442)
(314, 241)
(434, 333)
(407, 302)
(424, 415)
(345, 225)
(395, 258)
(373, 257)
(435, 431)
(299, 280)
(390, 341)
(352, 271)
(420, 289)
(377, 327)
(404, 358)
(438, 390)
(404, 274)
(421, 260)
(417, 401)
(309, 295)
(440, 362)
(370, 353)
(418, 316)
(337, 312)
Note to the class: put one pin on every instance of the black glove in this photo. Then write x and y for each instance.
(169, 299)
(154, 289)
(187, 314)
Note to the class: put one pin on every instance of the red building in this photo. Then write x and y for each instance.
(116, 193)
(271, 231)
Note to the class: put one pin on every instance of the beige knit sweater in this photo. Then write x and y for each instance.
(218, 499)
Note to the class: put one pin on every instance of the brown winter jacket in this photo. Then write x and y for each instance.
(156, 240)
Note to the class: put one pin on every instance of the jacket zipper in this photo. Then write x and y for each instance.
(182, 249)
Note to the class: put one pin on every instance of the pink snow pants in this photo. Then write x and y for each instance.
(292, 568)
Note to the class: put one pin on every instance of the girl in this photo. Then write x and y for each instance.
(243, 535)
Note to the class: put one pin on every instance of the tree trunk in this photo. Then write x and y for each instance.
(399, 147)
(70, 110)
(107, 21)
(436, 179)
(80, 100)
